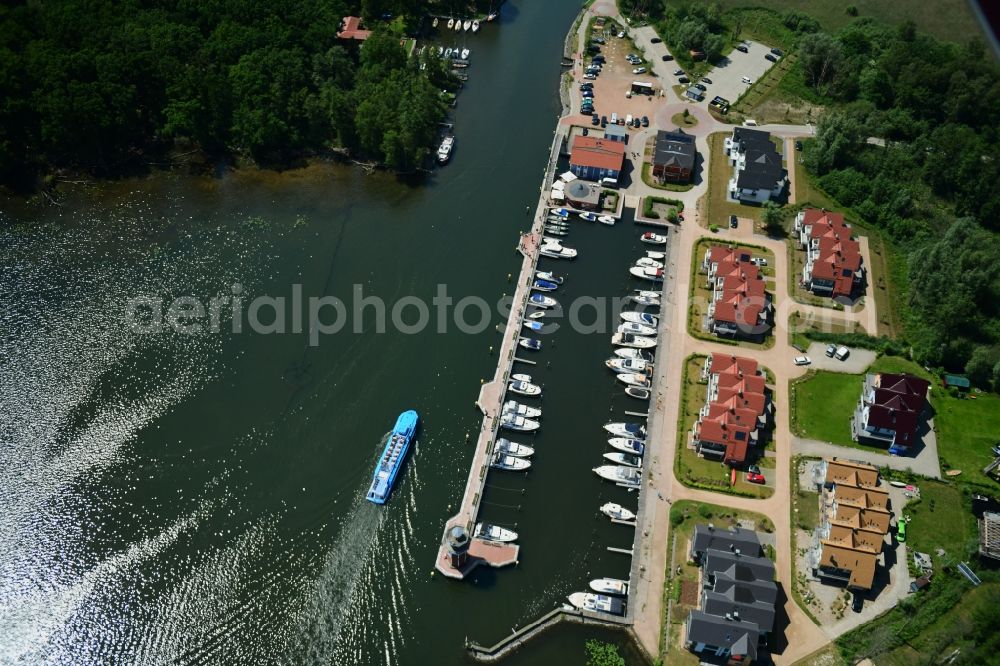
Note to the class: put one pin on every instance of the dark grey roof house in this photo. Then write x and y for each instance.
(722, 636)
(738, 567)
(732, 539)
(727, 604)
(759, 174)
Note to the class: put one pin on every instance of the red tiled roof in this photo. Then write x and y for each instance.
(735, 416)
(838, 261)
(734, 438)
(737, 269)
(730, 397)
(744, 286)
(897, 404)
(350, 28)
(734, 309)
(723, 253)
(589, 151)
(904, 385)
(730, 364)
(824, 223)
(746, 383)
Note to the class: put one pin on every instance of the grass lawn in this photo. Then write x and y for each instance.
(683, 121)
(949, 19)
(827, 656)
(647, 177)
(967, 428)
(690, 468)
(941, 519)
(800, 323)
(715, 204)
(822, 404)
(763, 89)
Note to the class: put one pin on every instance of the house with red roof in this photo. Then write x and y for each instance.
(737, 406)
(740, 306)
(594, 158)
(834, 266)
(350, 29)
(890, 411)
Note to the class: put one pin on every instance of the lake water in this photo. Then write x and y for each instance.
(198, 497)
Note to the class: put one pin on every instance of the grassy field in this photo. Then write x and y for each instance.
(691, 469)
(799, 324)
(941, 519)
(948, 19)
(822, 403)
(714, 204)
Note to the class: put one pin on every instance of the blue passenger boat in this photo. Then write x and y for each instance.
(392, 457)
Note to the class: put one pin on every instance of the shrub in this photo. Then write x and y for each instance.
(704, 511)
(851, 10)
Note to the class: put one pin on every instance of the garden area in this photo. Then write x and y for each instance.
(693, 470)
(656, 208)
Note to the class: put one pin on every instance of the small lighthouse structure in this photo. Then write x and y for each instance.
(457, 543)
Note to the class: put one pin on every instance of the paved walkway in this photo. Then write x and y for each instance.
(924, 463)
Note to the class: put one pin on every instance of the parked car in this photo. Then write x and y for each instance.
(857, 603)
(801, 360)
(842, 353)
(621, 34)
(667, 57)
(901, 531)
(636, 123)
(655, 40)
(588, 94)
(755, 477)
(604, 121)
(798, 145)
(682, 79)
(645, 121)
(742, 49)
(590, 77)
(586, 131)
(747, 80)
(753, 468)
(639, 70)
(700, 87)
(678, 72)
(594, 120)
(733, 222)
(586, 86)
(598, 40)
(831, 350)
(759, 261)
(772, 58)
(705, 79)
(777, 52)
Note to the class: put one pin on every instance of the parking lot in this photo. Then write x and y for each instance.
(644, 37)
(727, 76)
(615, 81)
(855, 364)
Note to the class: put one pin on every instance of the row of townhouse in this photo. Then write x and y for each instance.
(740, 305)
(857, 516)
(737, 409)
(758, 175)
(833, 266)
(738, 596)
(890, 411)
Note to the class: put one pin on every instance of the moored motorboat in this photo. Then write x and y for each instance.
(434, 23)
(448, 52)
(617, 511)
(629, 340)
(536, 315)
(647, 262)
(466, 24)
(648, 294)
(444, 150)
(561, 212)
(510, 448)
(636, 329)
(644, 301)
(620, 458)
(647, 273)
(524, 388)
(451, 23)
(475, 26)
(519, 409)
(465, 54)
(629, 477)
(638, 393)
(633, 379)
(518, 423)
(628, 445)
(607, 219)
(544, 285)
(521, 378)
(640, 318)
(598, 603)
(628, 352)
(653, 239)
(610, 586)
(653, 254)
(530, 343)
(533, 325)
(458, 25)
(492, 532)
(509, 463)
(627, 364)
(549, 276)
(554, 249)
(557, 219)
(630, 430)
(542, 301)
(440, 51)
(588, 216)
(556, 231)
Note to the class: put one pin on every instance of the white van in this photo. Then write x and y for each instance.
(843, 353)
(628, 119)
(611, 183)
(750, 122)
(614, 118)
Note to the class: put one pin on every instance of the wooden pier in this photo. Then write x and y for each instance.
(550, 619)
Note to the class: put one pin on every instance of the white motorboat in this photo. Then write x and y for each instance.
(451, 23)
(638, 393)
(635, 341)
(648, 294)
(653, 254)
(629, 477)
(620, 458)
(557, 219)
(633, 379)
(636, 329)
(509, 463)
(648, 263)
(548, 276)
(628, 364)
(518, 409)
(542, 301)
(627, 445)
(475, 26)
(503, 535)
(630, 430)
(627, 352)
(556, 231)
(530, 343)
(524, 388)
(544, 285)
(598, 603)
(510, 448)
(533, 325)
(561, 212)
(521, 378)
(552, 248)
(645, 301)
(458, 25)
(609, 586)
(492, 16)
(465, 54)
(647, 273)
(519, 423)
(617, 511)
(466, 24)
(440, 51)
(444, 150)
(640, 318)
(653, 239)
(607, 219)
(434, 23)
(447, 52)
(589, 217)
(536, 315)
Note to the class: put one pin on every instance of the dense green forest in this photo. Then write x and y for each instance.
(106, 87)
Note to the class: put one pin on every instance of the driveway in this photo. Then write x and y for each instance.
(855, 364)
(925, 462)
(727, 76)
